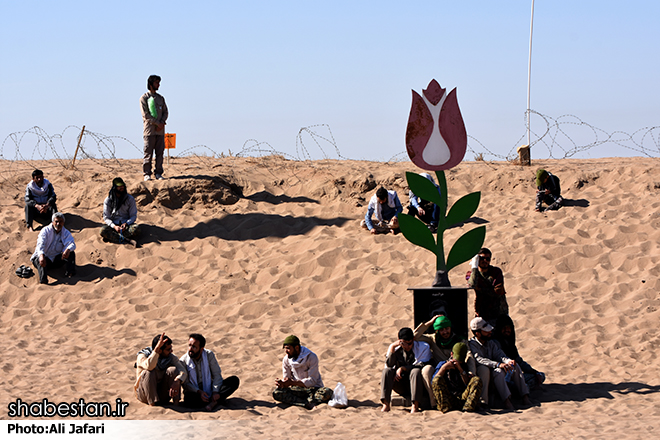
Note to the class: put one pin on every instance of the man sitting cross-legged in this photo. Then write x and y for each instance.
(205, 386)
(301, 382)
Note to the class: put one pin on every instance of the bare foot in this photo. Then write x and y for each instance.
(386, 407)
(508, 405)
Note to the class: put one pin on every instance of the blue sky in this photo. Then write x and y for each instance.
(235, 71)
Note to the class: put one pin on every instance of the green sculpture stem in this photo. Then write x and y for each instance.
(442, 221)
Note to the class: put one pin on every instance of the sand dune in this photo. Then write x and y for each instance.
(249, 250)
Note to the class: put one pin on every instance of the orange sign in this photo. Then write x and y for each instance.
(170, 140)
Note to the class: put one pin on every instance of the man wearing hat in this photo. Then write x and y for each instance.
(492, 363)
(441, 343)
(548, 191)
(454, 386)
(301, 382)
(119, 215)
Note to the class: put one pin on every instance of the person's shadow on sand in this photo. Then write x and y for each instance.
(265, 196)
(579, 392)
(86, 273)
(252, 406)
(580, 203)
(239, 227)
(233, 403)
(76, 223)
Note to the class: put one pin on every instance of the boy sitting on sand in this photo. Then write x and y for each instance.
(386, 206)
(548, 191)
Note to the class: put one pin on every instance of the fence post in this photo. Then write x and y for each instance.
(73, 163)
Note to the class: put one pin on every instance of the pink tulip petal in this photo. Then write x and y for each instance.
(452, 129)
(434, 92)
(420, 127)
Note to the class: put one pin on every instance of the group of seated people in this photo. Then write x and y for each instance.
(160, 376)
(55, 244)
(453, 373)
(386, 206)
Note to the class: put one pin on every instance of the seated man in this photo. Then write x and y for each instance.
(493, 363)
(428, 212)
(403, 370)
(205, 386)
(159, 373)
(442, 343)
(488, 283)
(39, 198)
(301, 382)
(454, 386)
(548, 191)
(119, 215)
(505, 336)
(385, 205)
(55, 248)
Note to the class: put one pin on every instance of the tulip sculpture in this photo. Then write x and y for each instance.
(436, 141)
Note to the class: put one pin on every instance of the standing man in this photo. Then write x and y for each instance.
(154, 116)
(488, 283)
(119, 215)
(55, 248)
(301, 382)
(492, 363)
(39, 198)
(159, 373)
(205, 386)
(403, 370)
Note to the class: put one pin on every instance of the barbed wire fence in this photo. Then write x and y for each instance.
(35, 145)
(557, 137)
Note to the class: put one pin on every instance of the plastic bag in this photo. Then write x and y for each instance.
(339, 397)
(152, 107)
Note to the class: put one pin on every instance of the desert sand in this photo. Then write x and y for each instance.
(249, 250)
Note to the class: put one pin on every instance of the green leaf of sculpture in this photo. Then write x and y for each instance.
(463, 208)
(416, 231)
(466, 247)
(422, 187)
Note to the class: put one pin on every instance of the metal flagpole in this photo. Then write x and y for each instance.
(529, 79)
